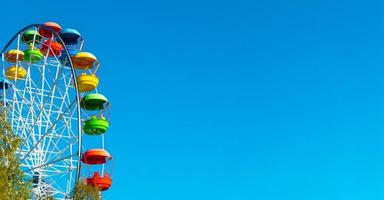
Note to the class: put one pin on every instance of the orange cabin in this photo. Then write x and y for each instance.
(102, 183)
(55, 48)
(95, 156)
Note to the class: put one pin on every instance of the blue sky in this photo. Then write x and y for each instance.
(234, 100)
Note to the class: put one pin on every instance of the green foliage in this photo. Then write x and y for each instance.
(83, 191)
(12, 181)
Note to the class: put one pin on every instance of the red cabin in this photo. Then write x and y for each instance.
(95, 156)
(55, 48)
(47, 33)
(100, 182)
(97, 160)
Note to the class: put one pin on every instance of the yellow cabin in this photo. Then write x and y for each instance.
(14, 55)
(16, 73)
(84, 60)
(87, 82)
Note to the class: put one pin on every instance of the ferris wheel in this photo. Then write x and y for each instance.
(49, 91)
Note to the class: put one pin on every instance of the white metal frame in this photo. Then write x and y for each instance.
(44, 110)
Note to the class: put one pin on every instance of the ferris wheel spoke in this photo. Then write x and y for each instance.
(68, 108)
(50, 111)
(50, 107)
(58, 139)
(53, 175)
(52, 142)
(13, 103)
(55, 135)
(32, 103)
(31, 112)
(54, 186)
(61, 152)
(55, 169)
(40, 111)
(50, 163)
(43, 80)
(21, 105)
(38, 194)
(19, 110)
(23, 122)
(51, 171)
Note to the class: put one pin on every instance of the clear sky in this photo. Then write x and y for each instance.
(234, 100)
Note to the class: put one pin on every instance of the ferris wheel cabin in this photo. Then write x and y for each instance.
(70, 36)
(48, 33)
(14, 55)
(101, 182)
(31, 36)
(54, 47)
(32, 55)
